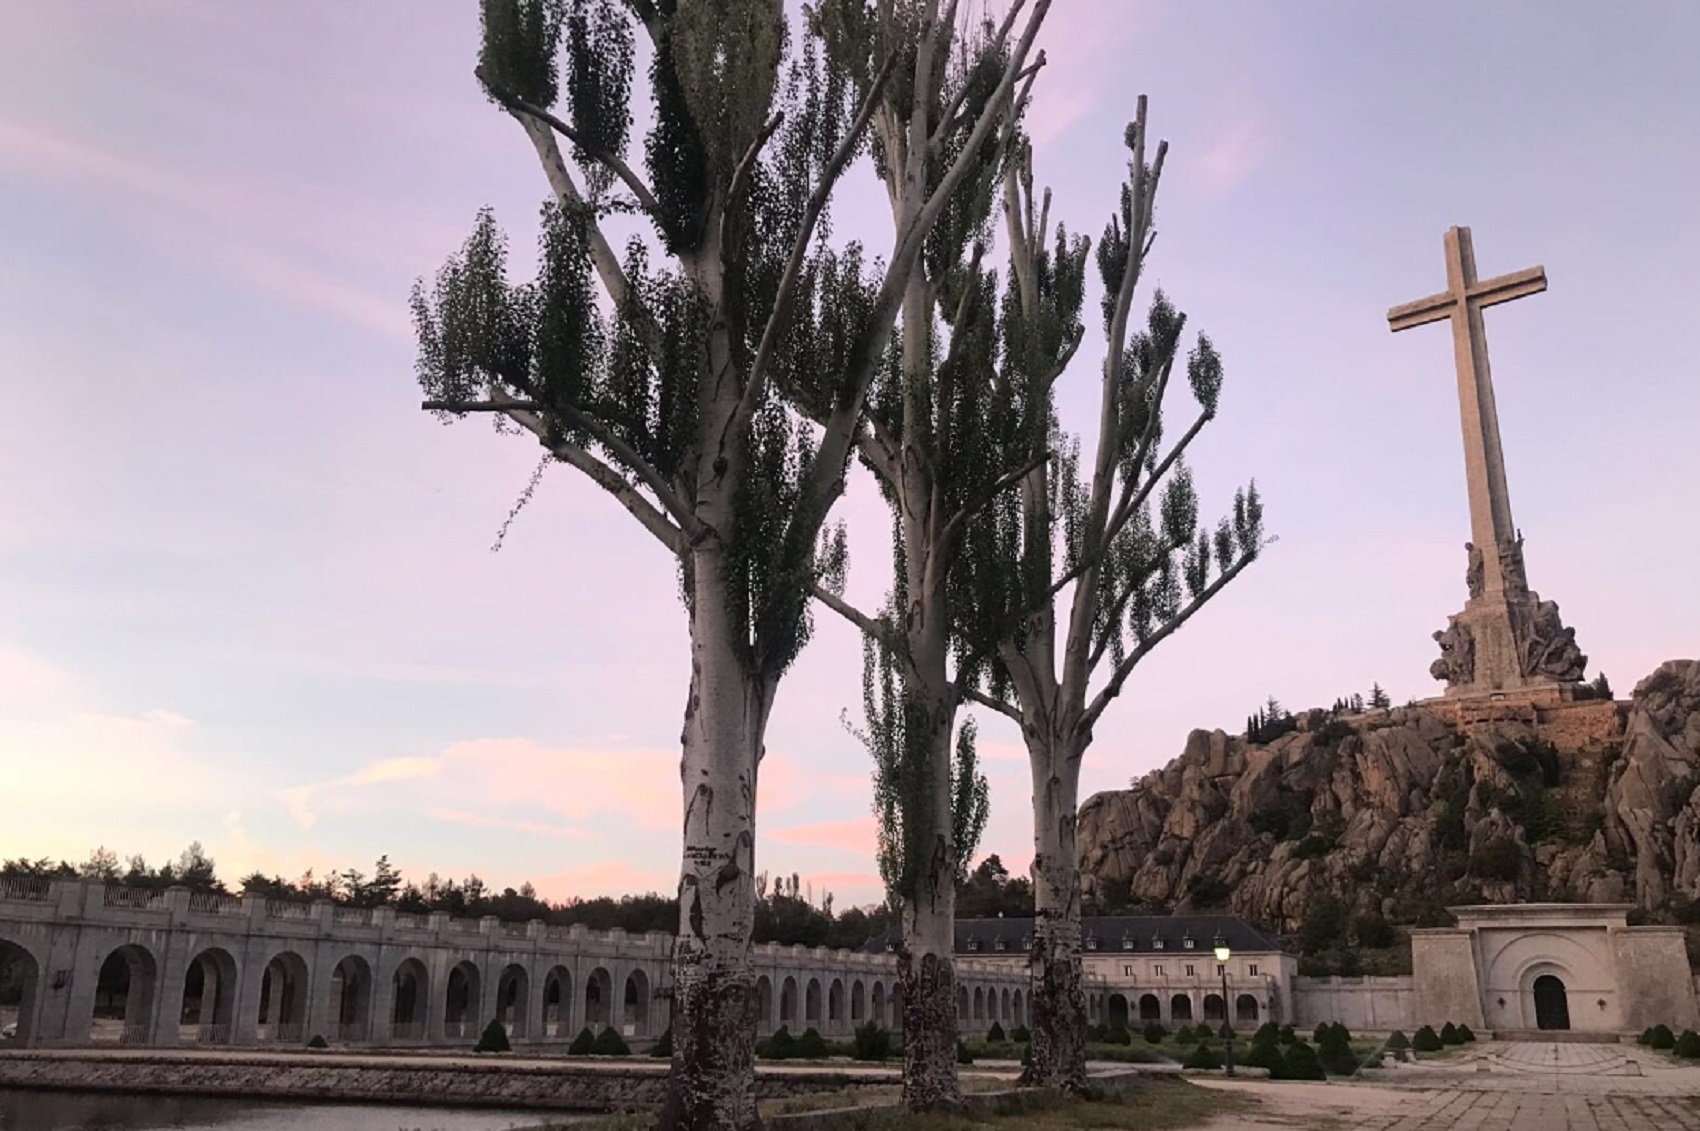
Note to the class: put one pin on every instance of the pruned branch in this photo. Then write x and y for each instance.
(876, 630)
(1131, 499)
(741, 173)
(982, 498)
(980, 698)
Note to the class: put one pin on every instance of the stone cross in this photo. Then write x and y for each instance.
(1463, 301)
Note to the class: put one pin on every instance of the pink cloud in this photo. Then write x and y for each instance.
(858, 835)
(604, 877)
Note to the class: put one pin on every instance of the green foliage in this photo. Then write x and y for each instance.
(1398, 1040)
(1117, 1034)
(1288, 1037)
(1426, 1040)
(1378, 698)
(584, 1044)
(1185, 1035)
(1264, 1054)
(1021, 1035)
(995, 1033)
(1501, 858)
(1688, 1045)
(1449, 1034)
(1660, 1037)
(1204, 1055)
(610, 1043)
(811, 1045)
(1300, 1062)
(1287, 817)
(663, 1048)
(1646, 1037)
(494, 1038)
(963, 1056)
(318, 1042)
(1207, 891)
(1154, 1032)
(1267, 1033)
(1334, 1050)
(516, 58)
(990, 891)
(871, 1042)
(1323, 926)
(1465, 1035)
(1372, 929)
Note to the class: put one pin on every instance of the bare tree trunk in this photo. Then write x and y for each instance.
(713, 1069)
(1058, 1051)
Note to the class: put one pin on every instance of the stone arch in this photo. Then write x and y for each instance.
(513, 999)
(635, 1014)
(461, 1000)
(788, 1001)
(283, 999)
(20, 982)
(979, 1003)
(1180, 1008)
(351, 999)
(1245, 1008)
(1552, 1002)
(877, 996)
(897, 1008)
(858, 1001)
(1215, 1009)
(1019, 1004)
(835, 1001)
(598, 998)
(811, 1004)
(764, 1004)
(558, 1002)
(1118, 1011)
(125, 987)
(1003, 1006)
(208, 1008)
(961, 1002)
(1150, 1008)
(411, 983)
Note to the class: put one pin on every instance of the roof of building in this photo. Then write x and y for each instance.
(1125, 934)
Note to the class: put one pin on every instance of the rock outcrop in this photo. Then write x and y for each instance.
(1401, 811)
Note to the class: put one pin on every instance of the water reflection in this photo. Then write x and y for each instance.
(87, 1111)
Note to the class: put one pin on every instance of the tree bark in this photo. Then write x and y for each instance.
(713, 1068)
(1058, 1050)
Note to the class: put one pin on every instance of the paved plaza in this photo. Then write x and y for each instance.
(1522, 1086)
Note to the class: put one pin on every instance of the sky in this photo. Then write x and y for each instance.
(247, 593)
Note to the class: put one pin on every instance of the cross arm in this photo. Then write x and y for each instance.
(1504, 288)
(1422, 311)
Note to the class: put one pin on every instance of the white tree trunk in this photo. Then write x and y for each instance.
(1058, 1051)
(714, 1024)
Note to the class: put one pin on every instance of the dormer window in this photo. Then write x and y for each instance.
(1000, 945)
(1156, 942)
(973, 944)
(1187, 942)
(1026, 942)
(1091, 944)
(1127, 942)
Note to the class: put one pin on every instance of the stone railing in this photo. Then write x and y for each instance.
(352, 916)
(25, 889)
(215, 903)
(288, 909)
(136, 899)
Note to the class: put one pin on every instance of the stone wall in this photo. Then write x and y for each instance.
(1654, 983)
(1369, 1005)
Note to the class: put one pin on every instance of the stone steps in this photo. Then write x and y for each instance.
(1559, 1036)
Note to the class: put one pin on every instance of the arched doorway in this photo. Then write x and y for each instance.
(635, 1017)
(961, 1002)
(1180, 1008)
(209, 998)
(412, 991)
(19, 978)
(460, 1002)
(879, 1004)
(1150, 1009)
(557, 1003)
(512, 998)
(788, 1002)
(351, 999)
(858, 1002)
(598, 999)
(811, 1004)
(1020, 1015)
(1552, 1005)
(124, 997)
(835, 1002)
(1215, 1009)
(764, 1005)
(1245, 1008)
(979, 1003)
(1003, 1006)
(283, 999)
(1118, 1012)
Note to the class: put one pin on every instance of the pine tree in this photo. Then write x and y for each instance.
(1119, 536)
(679, 396)
(1378, 698)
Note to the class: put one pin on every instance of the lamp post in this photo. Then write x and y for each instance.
(1223, 953)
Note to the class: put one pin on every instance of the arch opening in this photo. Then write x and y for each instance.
(764, 1005)
(878, 999)
(283, 999)
(858, 1001)
(513, 1000)
(634, 1018)
(788, 1002)
(461, 1001)
(1180, 1008)
(835, 1002)
(979, 1003)
(124, 997)
(1552, 1003)
(1245, 1008)
(412, 991)
(20, 978)
(557, 1003)
(598, 999)
(351, 1000)
(1215, 1009)
(1117, 1010)
(811, 1004)
(207, 1013)
(1150, 1009)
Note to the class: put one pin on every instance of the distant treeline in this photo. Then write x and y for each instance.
(786, 913)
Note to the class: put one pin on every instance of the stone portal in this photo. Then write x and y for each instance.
(1507, 638)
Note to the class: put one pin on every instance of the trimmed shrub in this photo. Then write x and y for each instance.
(1449, 1034)
(1154, 1032)
(1337, 1058)
(963, 1056)
(1185, 1036)
(1021, 1035)
(1301, 1063)
(812, 1046)
(1646, 1037)
(1288, 1037)
(1264, 1054)
(995, 1034)
(1464, 1032)
(584, 1044)
(1118, 1036)
(871, 1042)
(493, 1039)
(1660, 1037)
(1403, 1056)
(1323, 1032)
(1204, 1056)
(781, 1046)
(610, 1043)
(1267, 1033)
(663, 1047)
(1688, 1045)
(1398, 1041)
(1096, 1033)
(1426, 1040)
(1373, 1060)
(318, 1042)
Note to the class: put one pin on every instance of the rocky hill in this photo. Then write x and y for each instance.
(1395, 813)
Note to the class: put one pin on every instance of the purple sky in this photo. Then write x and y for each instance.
(246, 592)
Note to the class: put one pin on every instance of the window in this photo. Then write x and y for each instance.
(1253, 970)
(1000, 944)
(1091, 944)
(1220, 970)
(1127, 971)
(973, 944)
(1026, 942)
(1127, 943)
(1189, 970)
(1156, 944)
(1187, 942)
(1157, 969)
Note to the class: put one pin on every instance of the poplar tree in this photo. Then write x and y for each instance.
(676, 389)
(1090, 567)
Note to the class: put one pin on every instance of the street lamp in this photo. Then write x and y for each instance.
(1222, 956)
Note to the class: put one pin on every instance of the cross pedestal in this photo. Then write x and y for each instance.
(1507, 638)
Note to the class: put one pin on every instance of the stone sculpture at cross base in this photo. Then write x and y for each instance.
(1506, 638)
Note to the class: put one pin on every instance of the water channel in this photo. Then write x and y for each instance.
(91, 1111)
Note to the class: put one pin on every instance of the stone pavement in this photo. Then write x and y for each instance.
(1521, 1086)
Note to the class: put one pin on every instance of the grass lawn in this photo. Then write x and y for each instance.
(1155, 1105)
